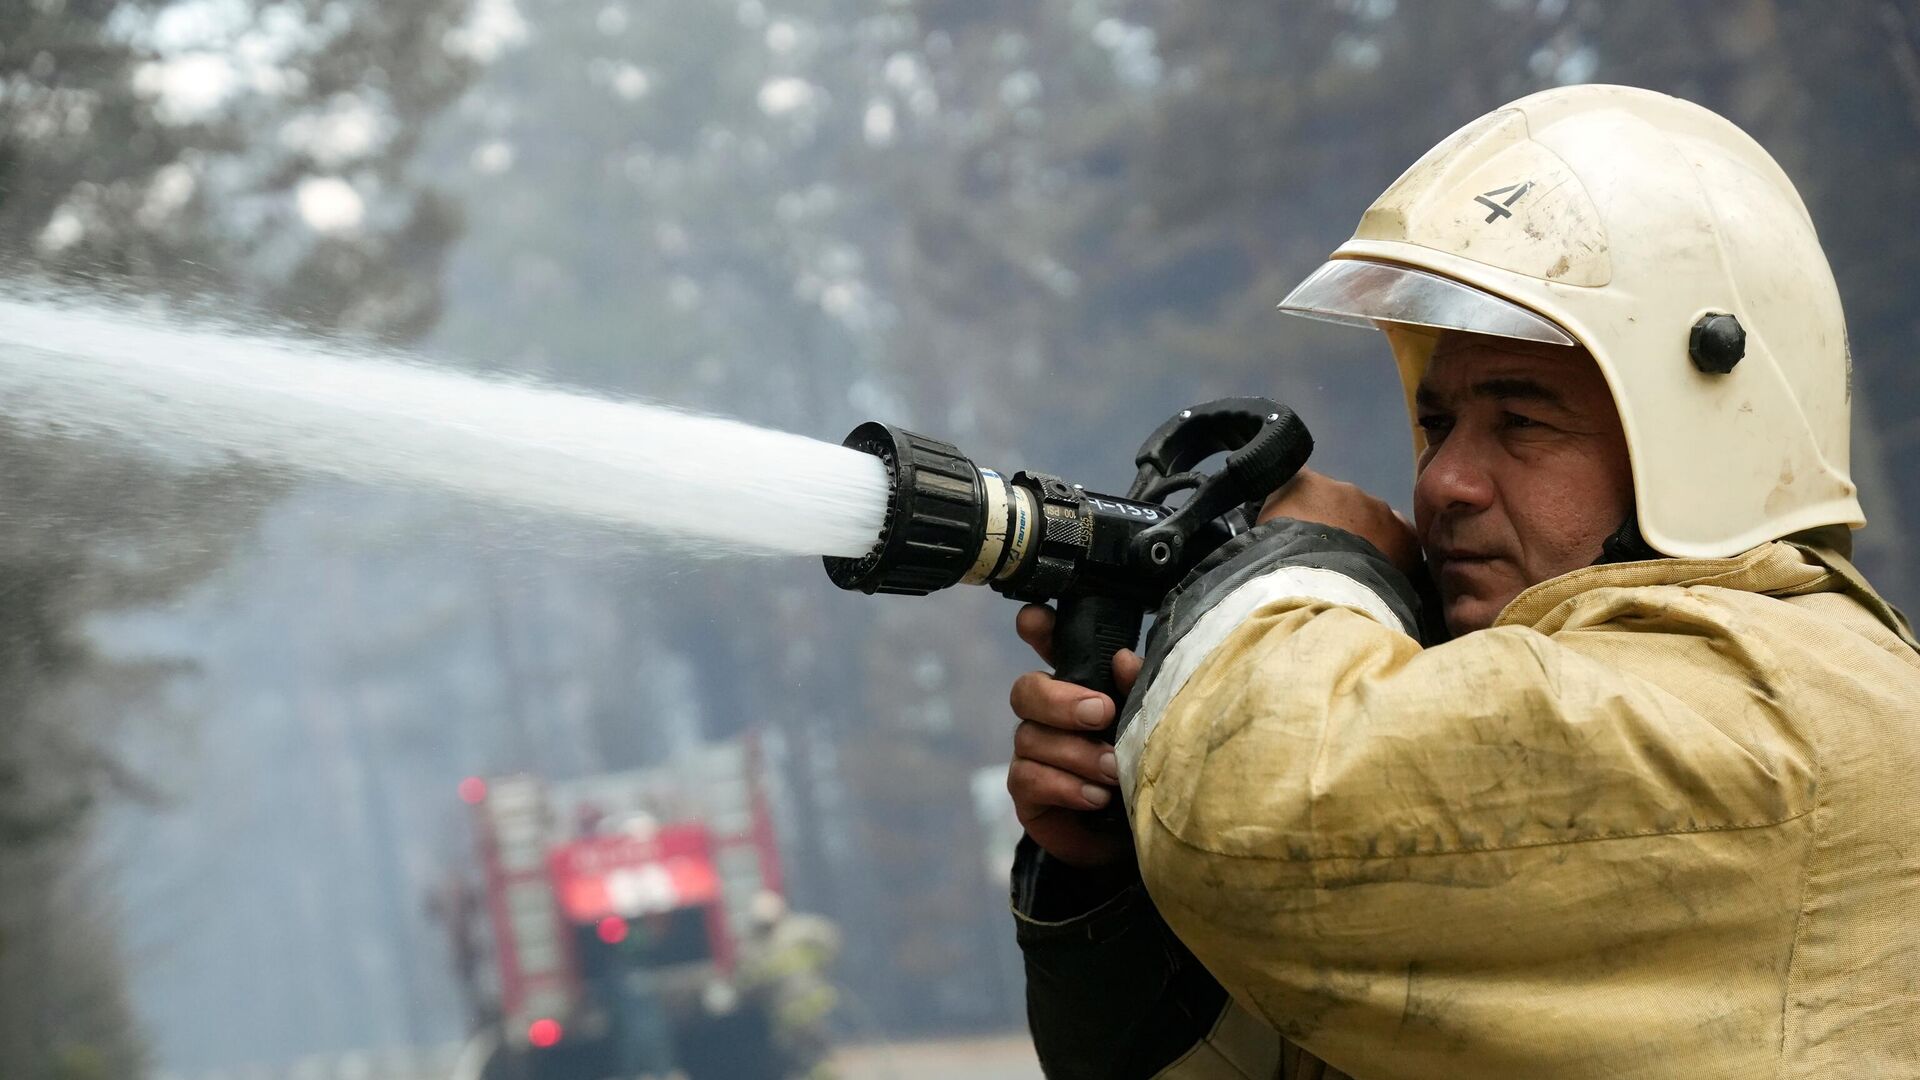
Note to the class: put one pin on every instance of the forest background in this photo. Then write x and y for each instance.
(233, 708)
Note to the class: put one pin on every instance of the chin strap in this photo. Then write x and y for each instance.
(1626, 544)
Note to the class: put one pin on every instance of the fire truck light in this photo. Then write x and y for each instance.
(473, 791)
(543, 1032)
(612, 929)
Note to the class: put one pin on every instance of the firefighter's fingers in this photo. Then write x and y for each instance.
(1037, 788)
(1088, 758)
(1051, 800)
(1126, 670)
(1043, 699)
(1063, 833)
(1034, 624)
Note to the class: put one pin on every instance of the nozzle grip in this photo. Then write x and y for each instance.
(1087, 631)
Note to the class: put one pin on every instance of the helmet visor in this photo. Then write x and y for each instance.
(1361, 292)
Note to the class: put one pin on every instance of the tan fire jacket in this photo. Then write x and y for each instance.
(1662, 820)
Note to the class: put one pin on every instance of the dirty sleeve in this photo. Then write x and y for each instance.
(1519, 847)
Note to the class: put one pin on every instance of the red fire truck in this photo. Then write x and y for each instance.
(609, 916)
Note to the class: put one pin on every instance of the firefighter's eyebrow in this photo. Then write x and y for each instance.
(1503, 388)
(1517, 389)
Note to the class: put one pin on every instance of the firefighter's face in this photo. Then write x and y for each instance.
(1525, 474)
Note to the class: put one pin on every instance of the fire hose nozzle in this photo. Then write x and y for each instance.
(935, 521)
(1107, 559)
(1036, 537)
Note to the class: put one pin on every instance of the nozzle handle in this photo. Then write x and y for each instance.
(1269, 458)
(1087, 631)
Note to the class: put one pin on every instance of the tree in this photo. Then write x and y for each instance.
(189, 150)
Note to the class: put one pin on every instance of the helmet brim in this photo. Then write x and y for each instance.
(1366, 293)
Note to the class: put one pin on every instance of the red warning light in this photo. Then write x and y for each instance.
(612, 929)
(473, 791)
(543, 1032)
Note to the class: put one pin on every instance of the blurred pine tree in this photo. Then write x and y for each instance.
(259, 152)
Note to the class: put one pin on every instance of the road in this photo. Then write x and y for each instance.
(994, 1058)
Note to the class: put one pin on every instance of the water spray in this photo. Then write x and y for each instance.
(892, 511)
(99, 377)
(1106, 560)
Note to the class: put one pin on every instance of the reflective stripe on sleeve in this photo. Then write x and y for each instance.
(1308, 583)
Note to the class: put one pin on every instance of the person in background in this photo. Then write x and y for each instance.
(784, 964)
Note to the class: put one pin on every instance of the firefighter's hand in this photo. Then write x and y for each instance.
(1312, 496)
(1061, 767)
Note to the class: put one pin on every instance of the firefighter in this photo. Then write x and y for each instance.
(1644, 806)
(784, 967)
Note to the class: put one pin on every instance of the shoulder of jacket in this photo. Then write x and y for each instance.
(1774, 570)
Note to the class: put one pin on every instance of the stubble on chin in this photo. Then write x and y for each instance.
(1465, 614)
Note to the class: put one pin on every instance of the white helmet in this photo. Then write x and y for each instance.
(766, 908)
(1665, 241)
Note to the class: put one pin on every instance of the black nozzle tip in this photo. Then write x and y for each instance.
(935, 518)
(889, 445)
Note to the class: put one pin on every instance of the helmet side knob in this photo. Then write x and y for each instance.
(1716, 343)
